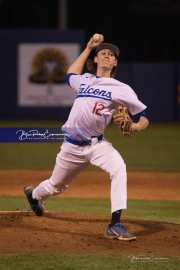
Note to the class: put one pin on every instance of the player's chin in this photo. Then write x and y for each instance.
(107, 66)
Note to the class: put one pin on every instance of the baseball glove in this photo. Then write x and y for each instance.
(122, 118)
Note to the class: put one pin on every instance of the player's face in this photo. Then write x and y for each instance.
(105, 59)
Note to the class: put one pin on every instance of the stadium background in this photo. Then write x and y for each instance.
(72, 238)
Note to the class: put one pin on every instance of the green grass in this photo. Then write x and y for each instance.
(87, 262)
(167, 211)
(157, 148)
(34, 156)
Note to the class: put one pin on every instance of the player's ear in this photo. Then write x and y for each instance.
(95, 59)
(115, 63)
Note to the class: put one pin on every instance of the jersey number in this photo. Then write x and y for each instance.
(98, 107)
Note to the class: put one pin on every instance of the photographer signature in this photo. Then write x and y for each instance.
(34, 134)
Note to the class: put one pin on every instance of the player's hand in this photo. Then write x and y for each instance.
(95, 40)
(135, 127)
(140, 125)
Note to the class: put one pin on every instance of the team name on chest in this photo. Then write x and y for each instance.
(87, 90)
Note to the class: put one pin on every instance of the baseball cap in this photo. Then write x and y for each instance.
(109, 46)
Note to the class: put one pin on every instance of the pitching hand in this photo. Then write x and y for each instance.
(95, 40)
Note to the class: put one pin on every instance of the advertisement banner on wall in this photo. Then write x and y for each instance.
(41, 74)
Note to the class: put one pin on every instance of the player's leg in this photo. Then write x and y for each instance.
(68, 164)
(109, 159)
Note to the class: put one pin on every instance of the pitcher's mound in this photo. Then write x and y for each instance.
(22, 232)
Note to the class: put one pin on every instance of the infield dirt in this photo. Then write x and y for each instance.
(22, 232)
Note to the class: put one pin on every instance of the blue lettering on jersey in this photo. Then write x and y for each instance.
(87, 91)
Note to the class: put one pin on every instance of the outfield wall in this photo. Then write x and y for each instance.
(157, 84)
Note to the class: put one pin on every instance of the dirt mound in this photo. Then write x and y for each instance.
(22, 232)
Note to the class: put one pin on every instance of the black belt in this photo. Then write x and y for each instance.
(83, 143)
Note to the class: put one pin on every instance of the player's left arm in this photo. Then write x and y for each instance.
(136, 109)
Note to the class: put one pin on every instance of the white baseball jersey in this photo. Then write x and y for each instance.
(96, 98)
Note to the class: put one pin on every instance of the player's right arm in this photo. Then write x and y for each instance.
(77, 66)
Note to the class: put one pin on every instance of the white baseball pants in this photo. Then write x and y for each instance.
(72, 158)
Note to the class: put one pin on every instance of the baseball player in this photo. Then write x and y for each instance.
(97, 95)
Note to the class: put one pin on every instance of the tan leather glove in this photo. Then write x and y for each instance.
(122, 118)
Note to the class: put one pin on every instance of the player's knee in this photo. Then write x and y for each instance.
(117, 169)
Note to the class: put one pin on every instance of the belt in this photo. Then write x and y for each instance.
(83, 143)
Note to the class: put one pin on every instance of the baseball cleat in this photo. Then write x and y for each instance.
(119, 231)
(36, 205)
